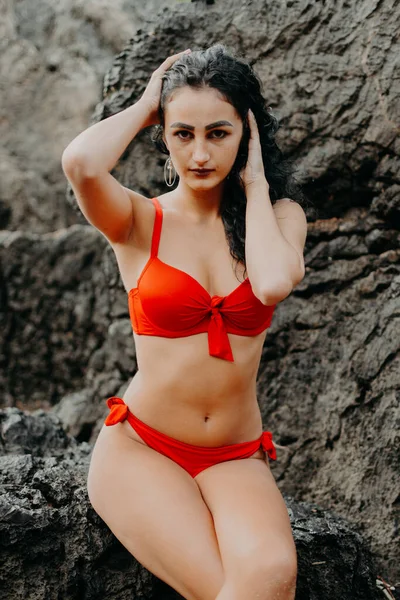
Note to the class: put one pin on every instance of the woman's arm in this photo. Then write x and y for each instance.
(105, 203)
(98, 148)
(275, 238)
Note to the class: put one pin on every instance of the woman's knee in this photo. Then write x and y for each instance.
(266, 575)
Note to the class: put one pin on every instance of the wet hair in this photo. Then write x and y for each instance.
(235, 80)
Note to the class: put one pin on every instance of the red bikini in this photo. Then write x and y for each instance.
(193, 459)
(168, 302)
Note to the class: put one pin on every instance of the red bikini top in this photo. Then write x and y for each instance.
(170, 303)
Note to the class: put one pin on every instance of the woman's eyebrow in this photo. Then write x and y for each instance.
(211, 126)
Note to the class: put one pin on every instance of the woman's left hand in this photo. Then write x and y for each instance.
(253, 172)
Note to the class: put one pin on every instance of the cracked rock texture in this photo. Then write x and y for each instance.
(52, 62)
(328, 382)
(56, 546)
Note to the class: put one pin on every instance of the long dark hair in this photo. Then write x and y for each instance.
(217, 68)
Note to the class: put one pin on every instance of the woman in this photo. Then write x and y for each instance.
(180, 470)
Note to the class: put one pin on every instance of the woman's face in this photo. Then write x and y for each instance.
(201, 131)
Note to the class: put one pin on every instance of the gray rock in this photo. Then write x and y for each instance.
(328, 382)
(52, 62)
(53, 544)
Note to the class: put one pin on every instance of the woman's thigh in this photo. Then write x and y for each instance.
(155, 508)
(250, 518)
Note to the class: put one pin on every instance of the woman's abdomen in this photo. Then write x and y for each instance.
(203, 401)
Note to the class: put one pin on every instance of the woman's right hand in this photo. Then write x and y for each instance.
(151, 95)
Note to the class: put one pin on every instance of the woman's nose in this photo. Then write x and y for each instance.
(200, 152)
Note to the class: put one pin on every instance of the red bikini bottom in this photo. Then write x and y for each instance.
(193, 459)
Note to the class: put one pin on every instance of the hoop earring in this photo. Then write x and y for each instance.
(169, 165)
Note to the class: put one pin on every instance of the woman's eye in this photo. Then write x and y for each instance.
(218, 137)
(179, 133)
(220, 131)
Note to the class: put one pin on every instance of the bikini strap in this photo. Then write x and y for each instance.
(155, 240)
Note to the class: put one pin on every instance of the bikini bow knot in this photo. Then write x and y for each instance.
(268, 445)
(118, 410)
(218, 341)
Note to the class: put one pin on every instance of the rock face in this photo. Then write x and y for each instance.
(52, 62)
(328, 382)
(53, 544)
(60, 313)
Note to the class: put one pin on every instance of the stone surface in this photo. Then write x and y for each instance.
(329, 377)
(52, 62)
(54, 545)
